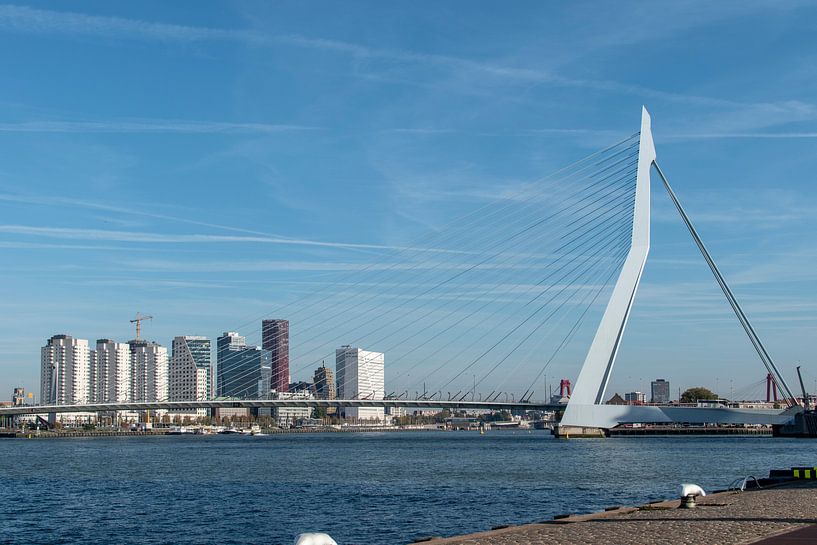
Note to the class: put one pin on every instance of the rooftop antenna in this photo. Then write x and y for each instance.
(138, 322)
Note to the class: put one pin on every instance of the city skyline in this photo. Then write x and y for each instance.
(241, 371)
(239, 218)
(71, 372)
(233, 342)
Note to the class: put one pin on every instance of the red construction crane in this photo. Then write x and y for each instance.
(138, 322)
(564, 388)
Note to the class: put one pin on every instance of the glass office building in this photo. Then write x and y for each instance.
(242, 371)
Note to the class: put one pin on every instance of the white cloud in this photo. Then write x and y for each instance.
(746, 135)
(72, 233)
(38, 21)
(130, 210)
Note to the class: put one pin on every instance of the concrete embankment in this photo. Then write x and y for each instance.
(696, 430)
(79, 433)
(166, 431)
(764, 516)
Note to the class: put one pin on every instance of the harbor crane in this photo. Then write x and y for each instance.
(138, 321)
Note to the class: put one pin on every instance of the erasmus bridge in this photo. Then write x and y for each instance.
(500, 295)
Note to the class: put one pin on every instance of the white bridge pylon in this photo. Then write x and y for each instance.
(586, 408)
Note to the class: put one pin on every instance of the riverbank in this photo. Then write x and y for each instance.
(624, 432)
(45, 434)
(725, 518)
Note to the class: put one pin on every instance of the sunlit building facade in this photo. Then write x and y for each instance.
(113, 376)
(150, 371)
(360, 375)
(65, 371)
(275, 338)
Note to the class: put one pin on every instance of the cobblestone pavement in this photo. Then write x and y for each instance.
(728, 518)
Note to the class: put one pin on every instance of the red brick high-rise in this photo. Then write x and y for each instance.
(275, 338)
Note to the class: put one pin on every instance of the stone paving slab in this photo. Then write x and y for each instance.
(803, 536)
(728, 518)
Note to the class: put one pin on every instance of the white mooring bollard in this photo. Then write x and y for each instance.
(315, 539)
(688, 494)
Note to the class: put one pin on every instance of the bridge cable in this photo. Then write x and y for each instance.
(744, 321)
(458, 274)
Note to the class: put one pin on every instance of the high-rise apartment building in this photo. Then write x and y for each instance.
(659, 391)
(360, 375)
(93, 369)
(324, 383)
(189, 374)
(242, 371)
(65, 371)
(150, 371)
(113, 379)
(275, 338)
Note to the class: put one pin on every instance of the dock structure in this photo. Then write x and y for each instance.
(775, 515)
(689, 430)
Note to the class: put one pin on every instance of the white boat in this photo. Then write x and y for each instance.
(231, 431)
(179, 430)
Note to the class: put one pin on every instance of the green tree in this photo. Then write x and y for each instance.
(698, 393)
(440, 417)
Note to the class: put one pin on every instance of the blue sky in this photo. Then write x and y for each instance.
(207, 163)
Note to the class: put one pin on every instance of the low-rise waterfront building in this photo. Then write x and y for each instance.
(393, 413)
(616, 400)
(286, 417)
(635, 397)
(221, 413)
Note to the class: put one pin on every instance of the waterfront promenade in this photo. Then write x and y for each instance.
(766, 516)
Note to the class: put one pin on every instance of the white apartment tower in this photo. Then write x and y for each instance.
(360, 374)
(113, 372)
(190, 373)
(93, 370)
(65, 371)
(150, 371)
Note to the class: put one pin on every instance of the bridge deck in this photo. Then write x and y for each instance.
(278, 403)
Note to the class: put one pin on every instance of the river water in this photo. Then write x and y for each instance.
(361, 488)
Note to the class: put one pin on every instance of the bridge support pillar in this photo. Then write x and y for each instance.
(578, 432)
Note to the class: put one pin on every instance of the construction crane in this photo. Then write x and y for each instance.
(138, 321)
